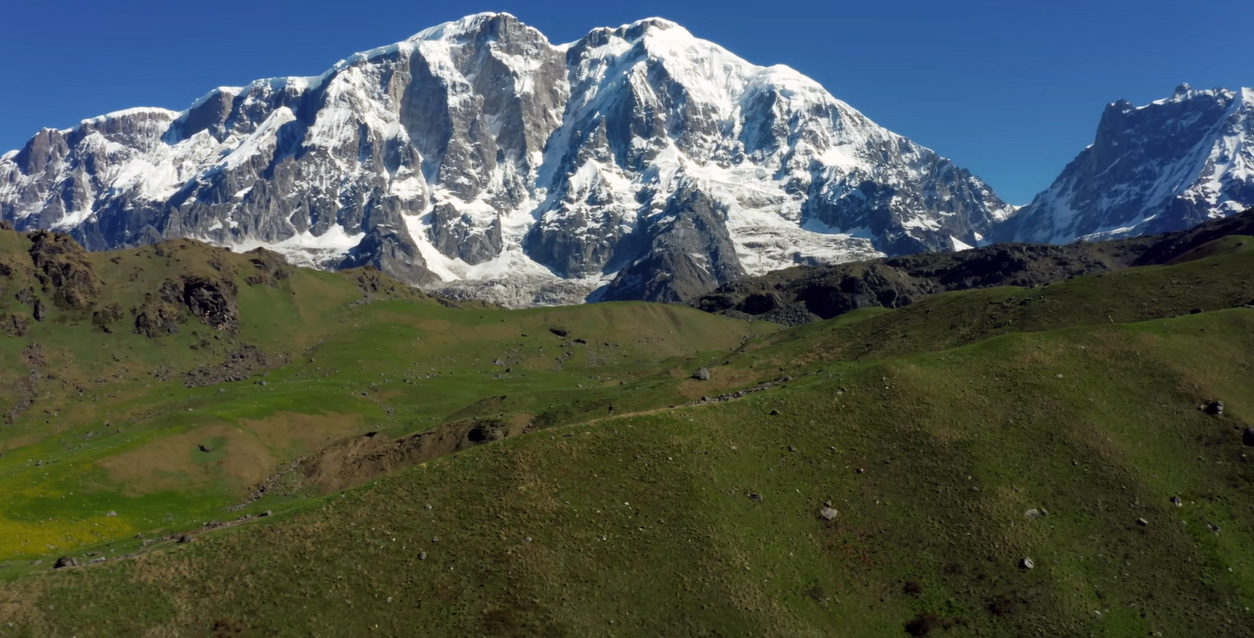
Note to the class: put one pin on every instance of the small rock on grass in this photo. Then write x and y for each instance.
(828, 513)
(754, 496)
(65, 561)
(1248, 437)
(1142, 522)
(1026, 563)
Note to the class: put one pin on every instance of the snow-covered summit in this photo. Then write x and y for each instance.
(1166, 165)
(638, 161)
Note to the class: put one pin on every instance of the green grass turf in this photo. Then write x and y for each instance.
(932, 429)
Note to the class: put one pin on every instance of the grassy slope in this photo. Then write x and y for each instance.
(114, 429)
(1073, 398)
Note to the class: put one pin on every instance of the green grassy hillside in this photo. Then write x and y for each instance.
(114, 433)
(954, 438)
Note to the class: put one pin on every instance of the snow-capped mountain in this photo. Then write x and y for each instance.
(1168, 165)
(479, 158)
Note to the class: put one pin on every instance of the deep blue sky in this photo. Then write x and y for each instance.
(1010, 90)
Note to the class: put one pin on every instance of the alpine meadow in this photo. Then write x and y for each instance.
(478, 334)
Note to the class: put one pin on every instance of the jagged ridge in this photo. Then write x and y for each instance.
(1167, 165)
(478, 155)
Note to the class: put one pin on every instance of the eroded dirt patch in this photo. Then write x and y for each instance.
(359, 459)
(190, 460)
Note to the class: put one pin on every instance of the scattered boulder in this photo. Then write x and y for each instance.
(204, 448)
(422, 556)
(65, 561)
(1032, 513)
(774, 412)
(1142, 522)
(702, 374)
(1214, 408)
(1175, 500)
(1248, 437)
(183, 539)
(238, 365)
(828, 513)
(1026, 563)
(754, 496)
(561, 332)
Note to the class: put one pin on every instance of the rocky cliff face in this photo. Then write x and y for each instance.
(478, 157)
(1168, 165)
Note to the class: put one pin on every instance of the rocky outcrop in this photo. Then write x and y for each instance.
(799, 295)
(210, 300)
(63, 269)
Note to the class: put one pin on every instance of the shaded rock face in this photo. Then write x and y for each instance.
(212, 302)
(1165, 166)
(456, 235)
(476, 152)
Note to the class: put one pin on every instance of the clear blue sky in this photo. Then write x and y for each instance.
(1010, 90)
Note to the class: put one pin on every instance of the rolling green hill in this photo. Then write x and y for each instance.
(886, 472)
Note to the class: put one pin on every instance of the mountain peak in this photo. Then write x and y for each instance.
(652, 23)
(464, 27)
(1162, 166)
(478, 158)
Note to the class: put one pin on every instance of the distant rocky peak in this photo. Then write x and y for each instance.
(1157, 167)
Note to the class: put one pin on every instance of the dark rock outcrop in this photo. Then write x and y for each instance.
(64, 270)
(806, 293)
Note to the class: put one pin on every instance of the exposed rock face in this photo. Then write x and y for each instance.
(479, 156)
(1164, 166)
(63, 269)
(212, 301)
